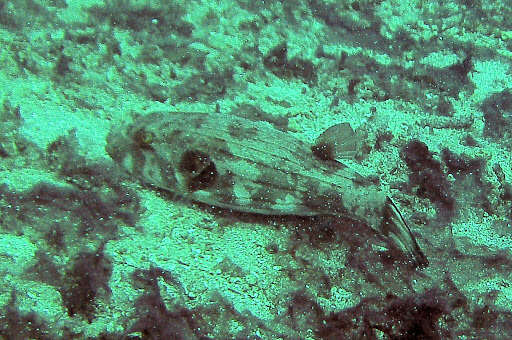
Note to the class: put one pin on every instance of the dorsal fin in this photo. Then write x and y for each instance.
(337, 142)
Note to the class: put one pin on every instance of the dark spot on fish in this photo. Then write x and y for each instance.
(198, 169)
(323, 151)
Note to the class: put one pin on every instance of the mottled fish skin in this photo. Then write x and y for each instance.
(247, 166)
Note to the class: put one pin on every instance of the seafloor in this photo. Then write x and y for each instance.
(89, 252)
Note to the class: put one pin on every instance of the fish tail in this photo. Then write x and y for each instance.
(396, 229)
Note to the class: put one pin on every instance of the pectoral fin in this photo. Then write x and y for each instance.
(338, 142)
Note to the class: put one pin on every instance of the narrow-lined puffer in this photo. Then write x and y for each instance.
(250, 166)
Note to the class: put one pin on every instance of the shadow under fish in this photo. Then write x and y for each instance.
(249, 166)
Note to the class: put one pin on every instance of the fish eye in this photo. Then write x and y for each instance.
(144, 138)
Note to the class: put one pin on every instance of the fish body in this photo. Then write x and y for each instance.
(250, 166)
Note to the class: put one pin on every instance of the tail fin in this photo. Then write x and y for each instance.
(395, 228)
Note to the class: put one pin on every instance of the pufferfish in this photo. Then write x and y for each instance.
(249, 166)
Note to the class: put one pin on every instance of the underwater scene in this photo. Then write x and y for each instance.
(251, 169)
